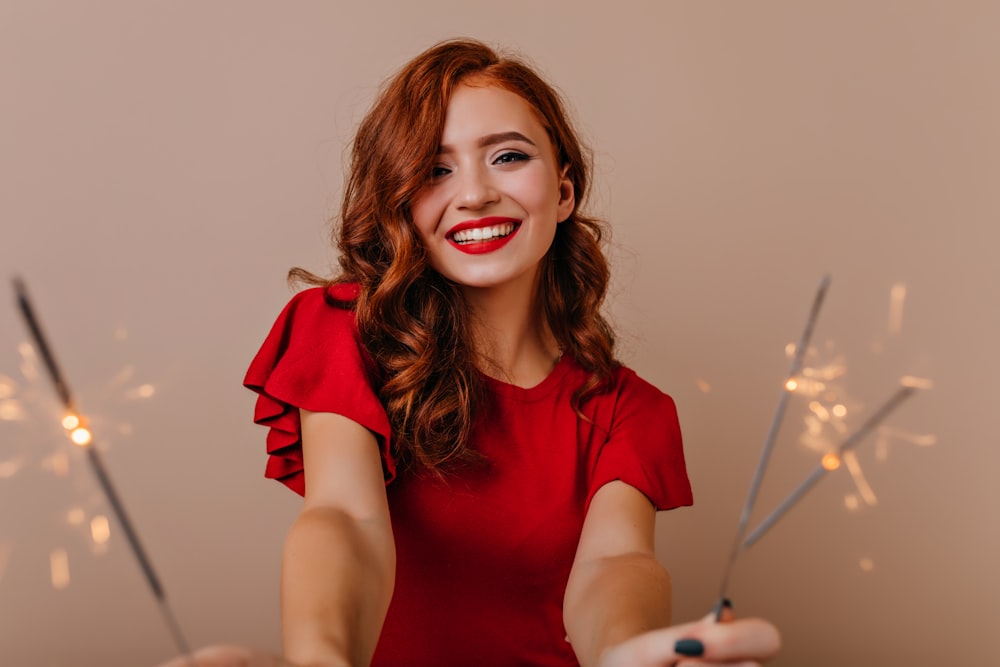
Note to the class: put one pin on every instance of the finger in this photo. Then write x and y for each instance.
(725, 614)
(722, 612)
(750, 639)
(702, 642)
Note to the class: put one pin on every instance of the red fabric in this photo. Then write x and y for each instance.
(483, 557)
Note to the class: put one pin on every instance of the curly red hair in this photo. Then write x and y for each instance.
(414, 322)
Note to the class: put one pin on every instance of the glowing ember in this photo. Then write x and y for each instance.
(81, 436)
(915, 382)
(831, 461)
(59, 565)
(144, 391)
(100, 529)
(70, 422)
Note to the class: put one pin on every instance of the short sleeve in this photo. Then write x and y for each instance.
(312, 359)
(644, 447)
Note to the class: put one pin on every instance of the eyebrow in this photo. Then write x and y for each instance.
(492, 140)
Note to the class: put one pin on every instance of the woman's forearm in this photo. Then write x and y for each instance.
(609, 600)
(337, 580)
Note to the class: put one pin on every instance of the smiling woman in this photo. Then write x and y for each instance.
(480, 475)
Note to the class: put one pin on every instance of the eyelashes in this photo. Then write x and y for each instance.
(509, 157)
(505, 158)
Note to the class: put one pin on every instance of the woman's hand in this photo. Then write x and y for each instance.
(747, 642)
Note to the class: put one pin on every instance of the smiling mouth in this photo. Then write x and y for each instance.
(483, 234)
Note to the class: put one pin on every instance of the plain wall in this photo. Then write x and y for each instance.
(162, 164)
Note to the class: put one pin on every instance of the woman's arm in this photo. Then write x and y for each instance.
(340, 558)
(617, 588)
(617, 604)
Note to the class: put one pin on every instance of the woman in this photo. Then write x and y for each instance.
(480, 476)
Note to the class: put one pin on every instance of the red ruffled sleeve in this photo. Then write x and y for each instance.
(644, 447)
(313, 359)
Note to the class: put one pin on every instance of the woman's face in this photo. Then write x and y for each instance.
(489, 212)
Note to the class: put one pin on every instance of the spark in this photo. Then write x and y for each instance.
(864, 489)
(916, 382)
(81, 435)
(100, 529)
(59, 566)
(921, 440)
(897, 298)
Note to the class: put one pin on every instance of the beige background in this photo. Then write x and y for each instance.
(163, 163)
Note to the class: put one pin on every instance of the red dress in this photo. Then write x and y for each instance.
(483, 558)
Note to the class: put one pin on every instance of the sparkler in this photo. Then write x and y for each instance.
(829, 462)
(790, 384)
(832, 460)
(76, 426)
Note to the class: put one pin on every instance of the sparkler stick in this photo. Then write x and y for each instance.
(81, 436)
(772, 434)
(829, 464)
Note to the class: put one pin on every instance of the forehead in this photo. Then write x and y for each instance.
(475, 111)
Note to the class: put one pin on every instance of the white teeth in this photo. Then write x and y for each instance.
(483, 233)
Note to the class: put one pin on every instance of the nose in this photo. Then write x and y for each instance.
(476, 189)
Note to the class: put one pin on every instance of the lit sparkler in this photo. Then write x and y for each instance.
(77, 427)
(790, 385)
(831, 461)
(827, 410)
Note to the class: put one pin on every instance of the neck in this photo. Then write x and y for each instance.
(512, 338)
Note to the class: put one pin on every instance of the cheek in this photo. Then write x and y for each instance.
(541, 196)
(425, 214)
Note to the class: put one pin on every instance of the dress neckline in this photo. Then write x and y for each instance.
(548, 384)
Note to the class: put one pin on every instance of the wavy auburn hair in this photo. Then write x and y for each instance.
(415, 323)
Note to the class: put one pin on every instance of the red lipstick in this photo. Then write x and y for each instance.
(476, 237)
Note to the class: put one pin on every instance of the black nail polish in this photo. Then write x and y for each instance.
(727, 603)
(689, 647)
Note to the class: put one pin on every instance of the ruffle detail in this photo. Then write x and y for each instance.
(312, 359)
